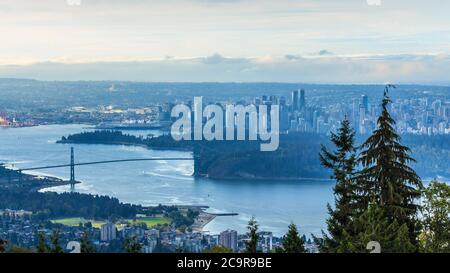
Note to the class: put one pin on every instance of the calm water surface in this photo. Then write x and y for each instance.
(274, 203)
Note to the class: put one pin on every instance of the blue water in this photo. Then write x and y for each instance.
(274, 203)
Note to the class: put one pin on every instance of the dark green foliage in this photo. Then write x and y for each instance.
(342, 162)
(386, 178)
(218, 249)
(117, 137)
(102, 136)
(132, 245)
(86, 245)
(435, 235)
(373, 225)
(379, 202)
(3, 244)
(429, 152)
(42, 246)
(252, 234)
(181, 220)
(296, 157)
(55, 244)
(292, 242)
(20, 250)
(66, 204)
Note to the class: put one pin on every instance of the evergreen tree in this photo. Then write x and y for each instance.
(252, 244)
(386, 179)
(86, 245)
(3, 244)
(435, 235)
(42, 246)
(292, 242)
(132, 245)
(55, 246)
(218, 249)
(373, 225)
(20, 250)
(342, 162)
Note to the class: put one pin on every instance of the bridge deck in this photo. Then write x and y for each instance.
(109, 161)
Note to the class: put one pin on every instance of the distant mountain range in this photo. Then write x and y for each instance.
(28, 93)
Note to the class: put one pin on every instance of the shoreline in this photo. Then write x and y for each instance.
(203, 219)
(40, 182)
(257, 178)
(236, 178)
(126, 144)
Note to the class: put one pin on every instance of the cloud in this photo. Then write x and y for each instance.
(287, 68)
(373, 2)
(213, 59)
(144, 29)
(216, 58)
(292, 57)
(325, 52)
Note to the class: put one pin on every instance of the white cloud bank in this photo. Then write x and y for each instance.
(269, 40)
(426, 69)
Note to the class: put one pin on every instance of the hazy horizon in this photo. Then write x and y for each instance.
(350, 41)
(231, 82)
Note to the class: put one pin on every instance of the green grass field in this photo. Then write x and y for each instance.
(75, 221)
(151, 221)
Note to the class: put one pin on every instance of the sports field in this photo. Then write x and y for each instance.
(75, 221)
(151, 221)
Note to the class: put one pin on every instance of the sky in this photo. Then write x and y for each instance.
(315, 41)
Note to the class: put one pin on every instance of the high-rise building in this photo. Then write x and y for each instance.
(294, 125)
(314, 120)
(302, 103)
(108, 232)
(362, 118)
(295, 100)
(284, 118)
(228, 238)
(355, 112)
(365, 103)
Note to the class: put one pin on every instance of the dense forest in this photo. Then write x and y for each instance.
(51, 204)
(47, 205)
(379, 197)
(432, 154)
(296, 157)
(165, 142)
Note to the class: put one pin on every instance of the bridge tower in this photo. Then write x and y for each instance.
(72, 169)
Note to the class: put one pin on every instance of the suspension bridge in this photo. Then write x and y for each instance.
(72, 164)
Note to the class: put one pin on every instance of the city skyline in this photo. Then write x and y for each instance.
(224, 126)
